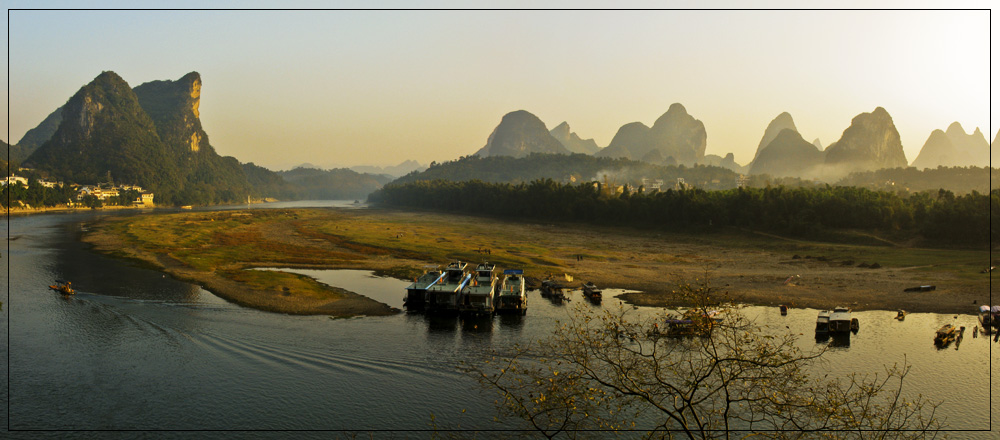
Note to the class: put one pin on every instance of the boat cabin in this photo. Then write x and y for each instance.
(416, 293)
(444, 295)
(840, 320)
(477, 296)
(511, 296)
(823, 322)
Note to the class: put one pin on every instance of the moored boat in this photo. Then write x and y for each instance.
(416, 293)
(989, 318)
(823, 322)
(840, 320)
(511, 297)
(592, 293)
(553, 290)
(443, 296)
(477, 297)
(63, 287)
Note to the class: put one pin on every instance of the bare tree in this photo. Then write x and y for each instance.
(727, 376)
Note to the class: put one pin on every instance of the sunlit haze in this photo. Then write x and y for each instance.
(342, 88)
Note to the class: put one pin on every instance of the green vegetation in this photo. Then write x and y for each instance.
(943, 217)
(961, 180)
(334, 184)
(561, 167)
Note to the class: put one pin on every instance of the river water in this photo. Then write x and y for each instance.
(135, 350)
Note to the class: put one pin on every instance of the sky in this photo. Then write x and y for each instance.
(341, 88)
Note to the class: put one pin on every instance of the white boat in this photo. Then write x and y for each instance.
(840, 320)
(477, 297)
(442, 297)
(512, 297)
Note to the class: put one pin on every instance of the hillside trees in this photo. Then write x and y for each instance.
(943, 216)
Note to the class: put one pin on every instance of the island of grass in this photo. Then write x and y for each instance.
(216, 249)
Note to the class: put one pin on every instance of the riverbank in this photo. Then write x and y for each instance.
(16, 211)
(214, 249)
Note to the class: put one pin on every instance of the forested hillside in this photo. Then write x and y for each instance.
(940, 217)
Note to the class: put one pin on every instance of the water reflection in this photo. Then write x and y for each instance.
(137, 350)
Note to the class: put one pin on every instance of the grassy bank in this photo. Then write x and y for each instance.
(214, 249)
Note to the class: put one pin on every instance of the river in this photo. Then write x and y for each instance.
(136, 350)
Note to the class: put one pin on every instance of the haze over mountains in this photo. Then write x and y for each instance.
(869, 143)
(152, 136)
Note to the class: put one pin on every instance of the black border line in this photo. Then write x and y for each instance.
(989, 125)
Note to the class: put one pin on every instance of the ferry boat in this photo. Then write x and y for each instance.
(442, 297)
(477, 297)
(840, 320)
(823, 323)
(989, 318)
(511, 297)
(416, 293)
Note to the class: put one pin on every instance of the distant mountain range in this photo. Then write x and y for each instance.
(870, 142)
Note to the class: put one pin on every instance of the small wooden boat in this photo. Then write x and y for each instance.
(926, 288)
(945, 334)
(592, 293)
(784, 309)
(63, 287)
(901, 315)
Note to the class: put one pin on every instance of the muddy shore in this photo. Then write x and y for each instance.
(745, 267)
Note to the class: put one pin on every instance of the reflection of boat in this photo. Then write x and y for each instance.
(592, 293)
(63, 287)
(416, 293)
(477, 297)
(443, 296)
(823, 322)
(989, 318)
(512, 297)
(840, 320)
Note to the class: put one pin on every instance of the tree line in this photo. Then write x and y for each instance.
(807, 212)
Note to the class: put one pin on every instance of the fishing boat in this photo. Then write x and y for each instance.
(63, 287)
(840, 320)
(511, 298)
(946, 334)
(553, 290)
(823, 323)
(989, 318)
(416, 293)
(443, 296)
(477, 297)
(900, 315)
(592, 293)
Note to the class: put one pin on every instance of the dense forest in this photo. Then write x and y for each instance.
(938, 216)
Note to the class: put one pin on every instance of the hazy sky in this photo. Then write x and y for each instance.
(378, 87)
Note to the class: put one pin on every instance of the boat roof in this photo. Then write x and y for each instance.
(837, 316)
(486, 266)
(513, 272)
